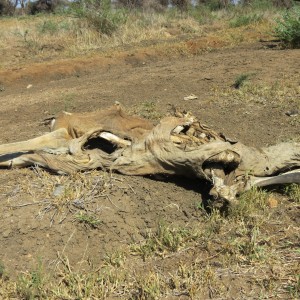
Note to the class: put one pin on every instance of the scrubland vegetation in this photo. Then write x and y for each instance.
(86, 27)
(236, 245)
(216, 257)
(251, 249)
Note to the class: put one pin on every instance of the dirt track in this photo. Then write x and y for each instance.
(138, 82)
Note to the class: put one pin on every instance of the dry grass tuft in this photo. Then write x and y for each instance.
(60, 197)
(164, 240)
(283, 93)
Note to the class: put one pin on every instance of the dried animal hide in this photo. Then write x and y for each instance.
(181, 145)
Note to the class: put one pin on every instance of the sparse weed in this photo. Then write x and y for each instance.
(93, 284)
(249, 203)
(293, 287)
(65, 283)
(48, 26)
(115, 259)
(2, 269)
(68, 102)
(199, 205)
(195, 279)
(148, 110)
(295, 121)
(214, 222)
(148, 287)
(30, 284)
(65, 196)
(251, 247)
(240, 80)
(87, 219)
(293, 192)
(163, 240)
(276, 93)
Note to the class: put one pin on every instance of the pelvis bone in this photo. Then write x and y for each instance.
(112, 140)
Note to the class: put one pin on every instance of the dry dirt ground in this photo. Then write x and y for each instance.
(31, 226)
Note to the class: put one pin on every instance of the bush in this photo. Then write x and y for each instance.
(99, 15)
(288, 28)
(43, 6)
(130, 3)
(7, 8)
(283, 3)
(215, 4)
(180, 4)
(259, 4)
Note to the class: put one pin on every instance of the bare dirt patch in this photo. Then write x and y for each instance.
(126, 208)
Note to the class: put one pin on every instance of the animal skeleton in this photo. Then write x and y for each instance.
(112, 140)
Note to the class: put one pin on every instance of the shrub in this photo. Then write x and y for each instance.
(240, 80)
(7, 8)
(43, 6)
(283, 3)
(100, 15)
(288, 28)
(180, 4)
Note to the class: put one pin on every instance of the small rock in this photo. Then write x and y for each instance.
(148, 198)
(59, 190)
(292, 113)
(6, 233)
(272, 202)
(190, 97)
(29, 86)
(78, 203)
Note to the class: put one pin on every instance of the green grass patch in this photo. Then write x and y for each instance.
(87, 219)
(244, 20)
(293, 192)
(100, 16)
(249, 204)
(240, 80)
(164, 240)
(31, 285)
(288, 28)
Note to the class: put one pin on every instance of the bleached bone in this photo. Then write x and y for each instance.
(55, 141)
(178, 129)
(114, 139)
(285, 178)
